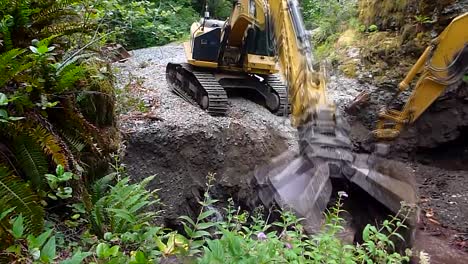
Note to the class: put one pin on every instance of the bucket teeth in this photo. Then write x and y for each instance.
(383, 180)
(296, 184)
(303, 185)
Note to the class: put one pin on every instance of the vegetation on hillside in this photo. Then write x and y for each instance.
(373, 36)
(147, 23)
(120, 228)
(56, 110)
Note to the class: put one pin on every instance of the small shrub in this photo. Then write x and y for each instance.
(126, 234)
(373, 28)
(329, 18)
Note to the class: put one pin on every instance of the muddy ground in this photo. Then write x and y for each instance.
(182, 144)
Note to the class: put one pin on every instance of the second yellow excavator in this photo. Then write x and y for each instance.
(263, 46)
(442, 65)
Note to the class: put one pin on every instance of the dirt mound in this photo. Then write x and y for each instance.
(182, 157)
(443, 193)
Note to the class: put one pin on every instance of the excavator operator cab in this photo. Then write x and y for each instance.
(207, 40)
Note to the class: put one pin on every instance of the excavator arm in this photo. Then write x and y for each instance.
(302, 182)
(442, 64)
(281, 21)
(306, 86)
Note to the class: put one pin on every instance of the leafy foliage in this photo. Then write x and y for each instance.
(37, 248)
(18, 195)
(140, 24)
(27, 20)
(42, 44)
(327, 19)
(127, 235)
(31, 160)
(123, 208)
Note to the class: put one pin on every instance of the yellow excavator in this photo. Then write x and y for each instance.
(263, 47)
(236, 55)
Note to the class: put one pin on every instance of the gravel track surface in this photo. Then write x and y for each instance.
(150, 65)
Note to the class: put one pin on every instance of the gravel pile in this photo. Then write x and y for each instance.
(150, 65)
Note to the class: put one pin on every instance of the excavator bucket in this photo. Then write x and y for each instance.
(296, 184)
(303, 185)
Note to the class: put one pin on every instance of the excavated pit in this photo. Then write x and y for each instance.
(182, 158)
(181, 145)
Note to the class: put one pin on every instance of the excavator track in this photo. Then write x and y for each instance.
(275, 82)
(217, 96)
(197, 87)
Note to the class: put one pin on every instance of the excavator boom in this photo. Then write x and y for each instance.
(303, 182)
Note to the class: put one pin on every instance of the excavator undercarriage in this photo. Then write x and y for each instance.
(209, 90)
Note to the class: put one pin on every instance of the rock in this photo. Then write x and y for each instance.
(115, 52)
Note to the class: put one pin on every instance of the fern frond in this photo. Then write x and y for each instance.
(23, 13)
(69, 76)
(5, 30)
(53, 12)
(123, 206)
(9, 57)
(101, 186)
(72, 141)
(74, 117)
(31, 159)
(11, 65)
(49, 145)
(16, 193)
(64, 28)
(98, 217)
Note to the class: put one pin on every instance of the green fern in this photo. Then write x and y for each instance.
(125, 206)
(55, 10)
(26, 20)
(73, 141)
(16, 193)
(101, 186)
(65, 28)
(99, 191)
(32, 160)
(69, 76)
(50, 145)
(12, 65)
(5, 25)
